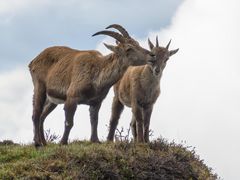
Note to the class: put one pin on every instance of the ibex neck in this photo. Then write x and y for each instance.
(112, 70)
(149, 82)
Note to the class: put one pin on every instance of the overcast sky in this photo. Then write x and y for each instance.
(28, 26)
(200, 100)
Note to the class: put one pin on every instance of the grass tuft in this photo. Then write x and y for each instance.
(121, 160)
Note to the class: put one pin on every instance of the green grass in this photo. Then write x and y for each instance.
(84, 160)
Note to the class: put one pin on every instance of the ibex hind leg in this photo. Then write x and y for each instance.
(39, 99)
(48, 108)
(147, 116)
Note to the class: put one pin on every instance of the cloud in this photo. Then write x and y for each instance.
(200, 97)
(15, 105)
(199, 102)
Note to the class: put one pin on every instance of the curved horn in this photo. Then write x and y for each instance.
(157, 44)
(150, 44)
(168, 44)
(120, 29)
(115, 35)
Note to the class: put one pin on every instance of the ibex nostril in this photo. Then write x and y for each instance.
(152, 55)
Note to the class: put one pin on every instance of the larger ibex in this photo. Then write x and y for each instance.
(139, 89)
(64, 75)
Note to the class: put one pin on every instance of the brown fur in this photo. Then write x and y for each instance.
(69, 76)
(139, 89)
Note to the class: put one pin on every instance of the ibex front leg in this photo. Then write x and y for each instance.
(147, 112)
(137, 113)
(134, 128)
(70, 107)
(94, 109)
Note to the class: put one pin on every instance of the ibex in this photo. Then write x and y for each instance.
(139, 89)
(64, 75)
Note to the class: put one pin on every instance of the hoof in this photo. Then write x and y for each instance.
(38, 145)
(63, 143)
(95, 140)
(110, 139)
(44, 143)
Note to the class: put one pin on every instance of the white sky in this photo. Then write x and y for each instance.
(200, 100)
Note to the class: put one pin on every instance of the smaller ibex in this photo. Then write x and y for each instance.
(139, 89)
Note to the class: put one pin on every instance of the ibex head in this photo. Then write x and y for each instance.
(162, 54)
(127, 46)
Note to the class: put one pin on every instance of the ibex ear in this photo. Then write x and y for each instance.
(128, 47)
(117, 42)
(150, 44)
(110, 47)
(172, 52)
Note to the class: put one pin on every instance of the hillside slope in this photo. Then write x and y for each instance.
(84, 160)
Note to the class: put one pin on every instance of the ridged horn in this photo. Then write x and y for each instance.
(157, 44)
(150, 44)
(115, 35)
(120, 29)
(168, 44)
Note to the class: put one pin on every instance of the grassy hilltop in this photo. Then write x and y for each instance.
(84, 160)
